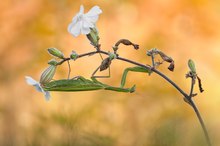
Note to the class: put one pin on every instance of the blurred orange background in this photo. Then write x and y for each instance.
(155, 115)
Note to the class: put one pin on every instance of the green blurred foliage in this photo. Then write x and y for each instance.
(155, 115)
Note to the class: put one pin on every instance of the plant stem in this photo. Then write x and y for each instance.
(192, 87)
(201, 122)
(188, 97)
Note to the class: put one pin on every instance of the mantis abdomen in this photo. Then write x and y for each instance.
(72, 85)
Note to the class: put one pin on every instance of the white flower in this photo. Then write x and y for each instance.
(82, 23)
(31, 81)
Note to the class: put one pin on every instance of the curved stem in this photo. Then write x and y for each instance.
(188, 97)
(170, 81)
(201, 122)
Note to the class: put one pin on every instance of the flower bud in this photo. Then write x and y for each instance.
(192, 66)
(73, 55)
(112, 56)
(48, 74)
(55, 52)
(93, 37)
(52, 62)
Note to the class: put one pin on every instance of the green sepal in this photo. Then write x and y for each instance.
(52, 62)
(112, 56)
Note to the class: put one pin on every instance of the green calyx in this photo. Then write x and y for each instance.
(93, 37)
(52, 62)
(55, 52)
(73, 55)
(48, 74)
(112, 56)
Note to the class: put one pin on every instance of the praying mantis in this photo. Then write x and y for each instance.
(82, 84)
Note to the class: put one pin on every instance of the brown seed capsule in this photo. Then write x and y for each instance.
(171, 67)
(127, 43)
(165, 57)
(105, 64)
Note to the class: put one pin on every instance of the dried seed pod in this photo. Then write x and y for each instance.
(171, 67)
(105, 64)
(165, 57)
(127, 43)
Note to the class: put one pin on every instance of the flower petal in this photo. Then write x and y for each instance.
(30, 80)
(93, 19)
(81, 11)
(47, 95)
(75, 29)
(87, 23)
(94, 11)
(93, 15)
(85, 30)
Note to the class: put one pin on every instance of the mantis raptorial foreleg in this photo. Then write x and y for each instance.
(118, 89)
(134, 69)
